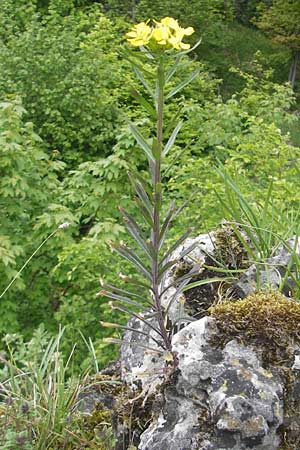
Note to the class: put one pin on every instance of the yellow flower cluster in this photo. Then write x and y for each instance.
(167, 33)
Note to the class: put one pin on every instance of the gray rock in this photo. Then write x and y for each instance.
(270, 274)
(218, 398)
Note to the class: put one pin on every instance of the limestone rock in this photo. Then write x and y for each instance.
(218, 399)
(270, 274)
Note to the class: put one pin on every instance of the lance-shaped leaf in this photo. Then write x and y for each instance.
(127, 328)
(137, 59)
(116, 290)
(183, 84)
(172, 138)
(132, 257)
(188, 250)
(141, 141)
(137, 233)
(177, 292)
(144, 211)
(144, 190)
(206, 281)
(142, 79)
(147, 187)
(188, 276)
(120, 298)
(143, 196)
(137, 316)
(139, 98)
(171, 215)
(168, 219)
(179, 241)
(132, 344)
(135, 281)
(176, 158)
(173, 69)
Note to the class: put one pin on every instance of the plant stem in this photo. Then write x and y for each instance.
(157, 204)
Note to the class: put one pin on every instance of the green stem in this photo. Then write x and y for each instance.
(157, 204)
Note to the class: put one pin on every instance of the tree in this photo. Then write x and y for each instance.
(281, 22)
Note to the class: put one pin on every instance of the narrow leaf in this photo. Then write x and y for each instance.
(124, 292)
(124, 327)
(177, 281)
(137, 316)
(139, 98)
(172, 138)
(173, 69)
(171, 215)
(135, 282)
(165, 268)
(147, 216)
(131, 344)
(206, 281)
(142, 79)
(166, 222)
(188, 250)
(120, 298)
(136, 232)
(130, 255)
(183, 84)
(141, 141)
(179, 241)
(179, 290)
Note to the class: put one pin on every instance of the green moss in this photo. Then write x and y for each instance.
(267, 319)
(229, 248)
(182, 268)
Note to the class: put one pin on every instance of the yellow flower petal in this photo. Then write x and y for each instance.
(161, 33)
(184, 46)
(170, 22)
(188, 31)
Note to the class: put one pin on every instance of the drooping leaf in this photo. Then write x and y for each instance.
(132, 257)
(121, 298)
(110, 287)
(137, 316)
(137, 233)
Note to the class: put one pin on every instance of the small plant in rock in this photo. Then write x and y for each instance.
(162, 53)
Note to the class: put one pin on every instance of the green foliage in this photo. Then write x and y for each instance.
(281, 22)
(29, 183)
(244, 133)
(68, 74)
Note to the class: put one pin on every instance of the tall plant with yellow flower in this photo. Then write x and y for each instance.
(160, 43)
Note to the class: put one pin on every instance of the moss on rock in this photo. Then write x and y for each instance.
(271, 323)
(267, 319)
